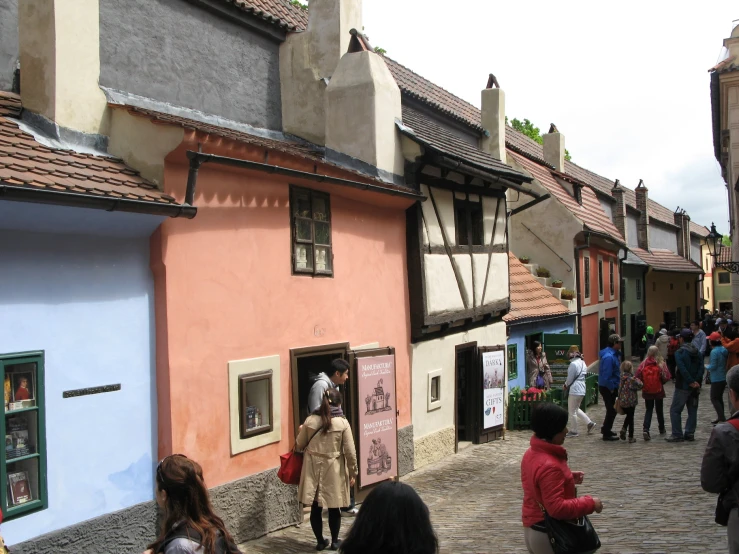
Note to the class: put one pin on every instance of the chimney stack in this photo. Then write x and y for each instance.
(59, 44)
(619, 214)
(682, 220)
(554, 148)
(642, 204)
(493, 119)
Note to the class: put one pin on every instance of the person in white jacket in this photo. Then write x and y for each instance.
(575, 384)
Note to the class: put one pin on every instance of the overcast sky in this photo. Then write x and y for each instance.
(627, 84)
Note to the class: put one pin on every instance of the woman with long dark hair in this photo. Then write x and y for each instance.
(190, 526)
(393, 520)
(329, 466)
(540, 376)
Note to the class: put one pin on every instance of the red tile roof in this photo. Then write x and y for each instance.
(302, 150)
(667, 260)
(530, 300)
(26, 163)
(724, 255)
(590, 212)
(282, 13)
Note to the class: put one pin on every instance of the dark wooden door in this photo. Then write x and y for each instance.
(464, 398)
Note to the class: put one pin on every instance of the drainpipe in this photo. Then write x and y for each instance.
(577, 280)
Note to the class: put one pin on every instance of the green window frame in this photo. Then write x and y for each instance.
(24, 421)
(512, 361)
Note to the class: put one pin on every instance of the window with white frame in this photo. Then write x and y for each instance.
(586, 276)
(612, 275)
(600, 279)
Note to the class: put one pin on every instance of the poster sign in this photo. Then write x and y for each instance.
(378, 426)
(493, 375)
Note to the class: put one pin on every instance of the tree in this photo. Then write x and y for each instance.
(726, 240)
(299, 4)
(533, 132)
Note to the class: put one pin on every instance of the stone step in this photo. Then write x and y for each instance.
(556, 292)
(571, 305)
(543, 280)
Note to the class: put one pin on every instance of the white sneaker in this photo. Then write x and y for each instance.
(571, 434)
(591, 426)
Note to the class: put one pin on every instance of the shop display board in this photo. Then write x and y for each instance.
(493, 386)
(377, 425)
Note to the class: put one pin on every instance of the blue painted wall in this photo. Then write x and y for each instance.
(518, 335)
(87, 301)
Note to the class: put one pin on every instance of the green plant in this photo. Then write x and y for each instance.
(380, 51)
(542, 272)
(524, 259)
(568, 294)
(299, 4)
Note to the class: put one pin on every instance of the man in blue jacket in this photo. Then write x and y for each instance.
(688, 379)
(609, 377)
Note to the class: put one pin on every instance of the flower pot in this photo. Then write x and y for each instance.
(557, 285)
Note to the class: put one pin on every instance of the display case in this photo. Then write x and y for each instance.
(255, 403)
(23, 460)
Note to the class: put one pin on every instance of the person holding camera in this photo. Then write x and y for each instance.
(688, 379)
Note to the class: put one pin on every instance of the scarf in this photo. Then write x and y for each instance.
(336, 411)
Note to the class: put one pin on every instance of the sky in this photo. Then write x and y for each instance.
(627, 83)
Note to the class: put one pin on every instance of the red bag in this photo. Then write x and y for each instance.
(291, 465)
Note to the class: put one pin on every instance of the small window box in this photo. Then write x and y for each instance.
(255, 404)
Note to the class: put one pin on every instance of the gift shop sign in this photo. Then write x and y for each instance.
(493, 375)
(378, 426)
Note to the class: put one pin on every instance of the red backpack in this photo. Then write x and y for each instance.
(651, 375)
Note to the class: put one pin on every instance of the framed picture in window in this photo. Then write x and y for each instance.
(23, 386)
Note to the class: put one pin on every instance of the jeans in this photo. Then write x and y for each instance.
(609, 399)
(651, 404)
(680, 400)
(629, 421)
(717, 399)
(573, 405)
(732, 530)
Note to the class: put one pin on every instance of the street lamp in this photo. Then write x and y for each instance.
(715, 245)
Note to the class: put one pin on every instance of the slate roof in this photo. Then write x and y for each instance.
(26, 163)
(437, 138)
(278, 12)
(667, 260)
(590, 212)
(302, 150)
(530, 300)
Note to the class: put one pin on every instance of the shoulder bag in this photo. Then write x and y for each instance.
(291, 465)
(572, 536)
(721, 515)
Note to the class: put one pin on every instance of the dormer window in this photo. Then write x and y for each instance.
(577, 190)
(468, 222)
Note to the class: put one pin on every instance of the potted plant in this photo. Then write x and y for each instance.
(557, 283)
(524, 259)
(568, 294)
(542, 272)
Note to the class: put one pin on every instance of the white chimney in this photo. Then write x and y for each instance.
(554, 149)
(59, 44)
(493, 120)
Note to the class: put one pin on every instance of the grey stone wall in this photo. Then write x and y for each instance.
(177, 52)
(8, 42)
(250, 507)
(406, 451)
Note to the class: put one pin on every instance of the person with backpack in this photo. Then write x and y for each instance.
(575, 385)
(654, 374)
(717, 375)
(628, 399)
(687, 388)
(189, 524)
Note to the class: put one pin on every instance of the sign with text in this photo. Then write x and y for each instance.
(378, 426)
(493, 382)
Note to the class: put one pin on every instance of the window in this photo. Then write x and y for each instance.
(724, 278)
(255, 404)
(611, 274)
(672, 286)
(600, 278)
(638, 289)
(687, 313)
(435, 389)
(623, 288)
(23, 467)
(687, 285)
(311, 232)
(679, 317)
(433, 402)
(586, 276)
(654, 286)
(468, 222)
(512, 361)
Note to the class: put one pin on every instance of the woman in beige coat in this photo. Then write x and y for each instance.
(329, 466)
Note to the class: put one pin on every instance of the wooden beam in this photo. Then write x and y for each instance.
(459, 187)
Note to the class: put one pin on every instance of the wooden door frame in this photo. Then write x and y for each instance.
(457, 348)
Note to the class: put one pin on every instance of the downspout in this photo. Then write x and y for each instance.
(577, 280)
(621, 292)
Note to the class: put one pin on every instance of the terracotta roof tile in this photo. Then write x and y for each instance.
(26, 163)
(447, 143)
(529, 298)
(278, 12)
(725, 255)
(667, 260)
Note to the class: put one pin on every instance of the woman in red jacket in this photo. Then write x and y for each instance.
(547, 479)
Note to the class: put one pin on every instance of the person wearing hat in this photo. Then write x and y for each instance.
(575, 384)
(609, 378)
(717, 375)
(662, 341)
(687, 388)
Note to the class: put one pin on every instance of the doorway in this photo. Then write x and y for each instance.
(464, 405)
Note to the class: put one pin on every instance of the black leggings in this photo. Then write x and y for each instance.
(629, 421)
(316, 522)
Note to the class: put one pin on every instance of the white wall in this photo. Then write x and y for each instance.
(662, 237)
(632, 229)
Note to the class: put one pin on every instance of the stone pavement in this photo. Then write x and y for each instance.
(650, 491)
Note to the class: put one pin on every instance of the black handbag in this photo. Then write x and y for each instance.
(721, 516)
(575, 536)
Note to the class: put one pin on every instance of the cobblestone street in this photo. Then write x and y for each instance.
(650, 491)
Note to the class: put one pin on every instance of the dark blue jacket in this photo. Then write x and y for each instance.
(609, 373)
(689, 366)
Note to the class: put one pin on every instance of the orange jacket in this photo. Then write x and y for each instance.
(733, 347)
